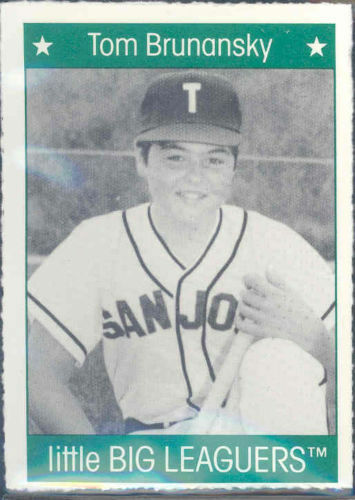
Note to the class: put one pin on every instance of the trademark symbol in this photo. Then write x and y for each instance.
(317, 451)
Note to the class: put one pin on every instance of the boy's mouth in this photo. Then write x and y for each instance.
(191, 195)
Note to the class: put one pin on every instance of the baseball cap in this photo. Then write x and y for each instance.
(190, 107)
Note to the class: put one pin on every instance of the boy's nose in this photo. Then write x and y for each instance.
(195, 169)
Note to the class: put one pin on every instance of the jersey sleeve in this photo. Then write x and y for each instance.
(63, 294)
(306, 271)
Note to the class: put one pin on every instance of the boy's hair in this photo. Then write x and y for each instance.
(144, 147)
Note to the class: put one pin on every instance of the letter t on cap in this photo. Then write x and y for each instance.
(192, 88)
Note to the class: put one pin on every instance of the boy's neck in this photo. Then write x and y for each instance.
(186, 239)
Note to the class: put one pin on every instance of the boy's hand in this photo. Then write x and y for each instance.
(270, 308)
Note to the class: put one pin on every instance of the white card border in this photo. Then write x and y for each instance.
(13, 15)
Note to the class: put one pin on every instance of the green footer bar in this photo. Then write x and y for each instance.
(182, 459)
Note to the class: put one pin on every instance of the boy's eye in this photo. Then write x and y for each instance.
(215, 161)
(175, 157)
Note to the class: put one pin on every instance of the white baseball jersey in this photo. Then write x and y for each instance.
(165, 328)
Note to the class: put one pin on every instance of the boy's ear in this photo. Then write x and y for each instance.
(140, 163)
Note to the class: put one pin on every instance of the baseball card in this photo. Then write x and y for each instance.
(177, 247)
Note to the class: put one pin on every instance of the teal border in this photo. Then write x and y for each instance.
(335, 228)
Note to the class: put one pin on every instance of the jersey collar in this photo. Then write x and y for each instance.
(164, 267)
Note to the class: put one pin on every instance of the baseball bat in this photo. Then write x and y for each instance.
(222, 385)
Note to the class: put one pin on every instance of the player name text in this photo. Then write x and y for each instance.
(156, 45)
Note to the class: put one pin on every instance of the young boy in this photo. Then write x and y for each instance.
(167, 285)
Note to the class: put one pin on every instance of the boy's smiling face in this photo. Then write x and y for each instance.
(188, 181)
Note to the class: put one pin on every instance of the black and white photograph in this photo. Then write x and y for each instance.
(181, 251)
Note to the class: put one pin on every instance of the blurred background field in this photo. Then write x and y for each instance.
(80, 163)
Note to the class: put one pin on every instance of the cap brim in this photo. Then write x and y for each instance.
(191, 132)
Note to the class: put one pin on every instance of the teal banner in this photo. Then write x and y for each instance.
(182, 459)
(59, 45)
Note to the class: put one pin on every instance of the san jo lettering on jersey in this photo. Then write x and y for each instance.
(123, 321)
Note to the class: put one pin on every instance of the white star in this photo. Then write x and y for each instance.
(317, 47)
(42, 46)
